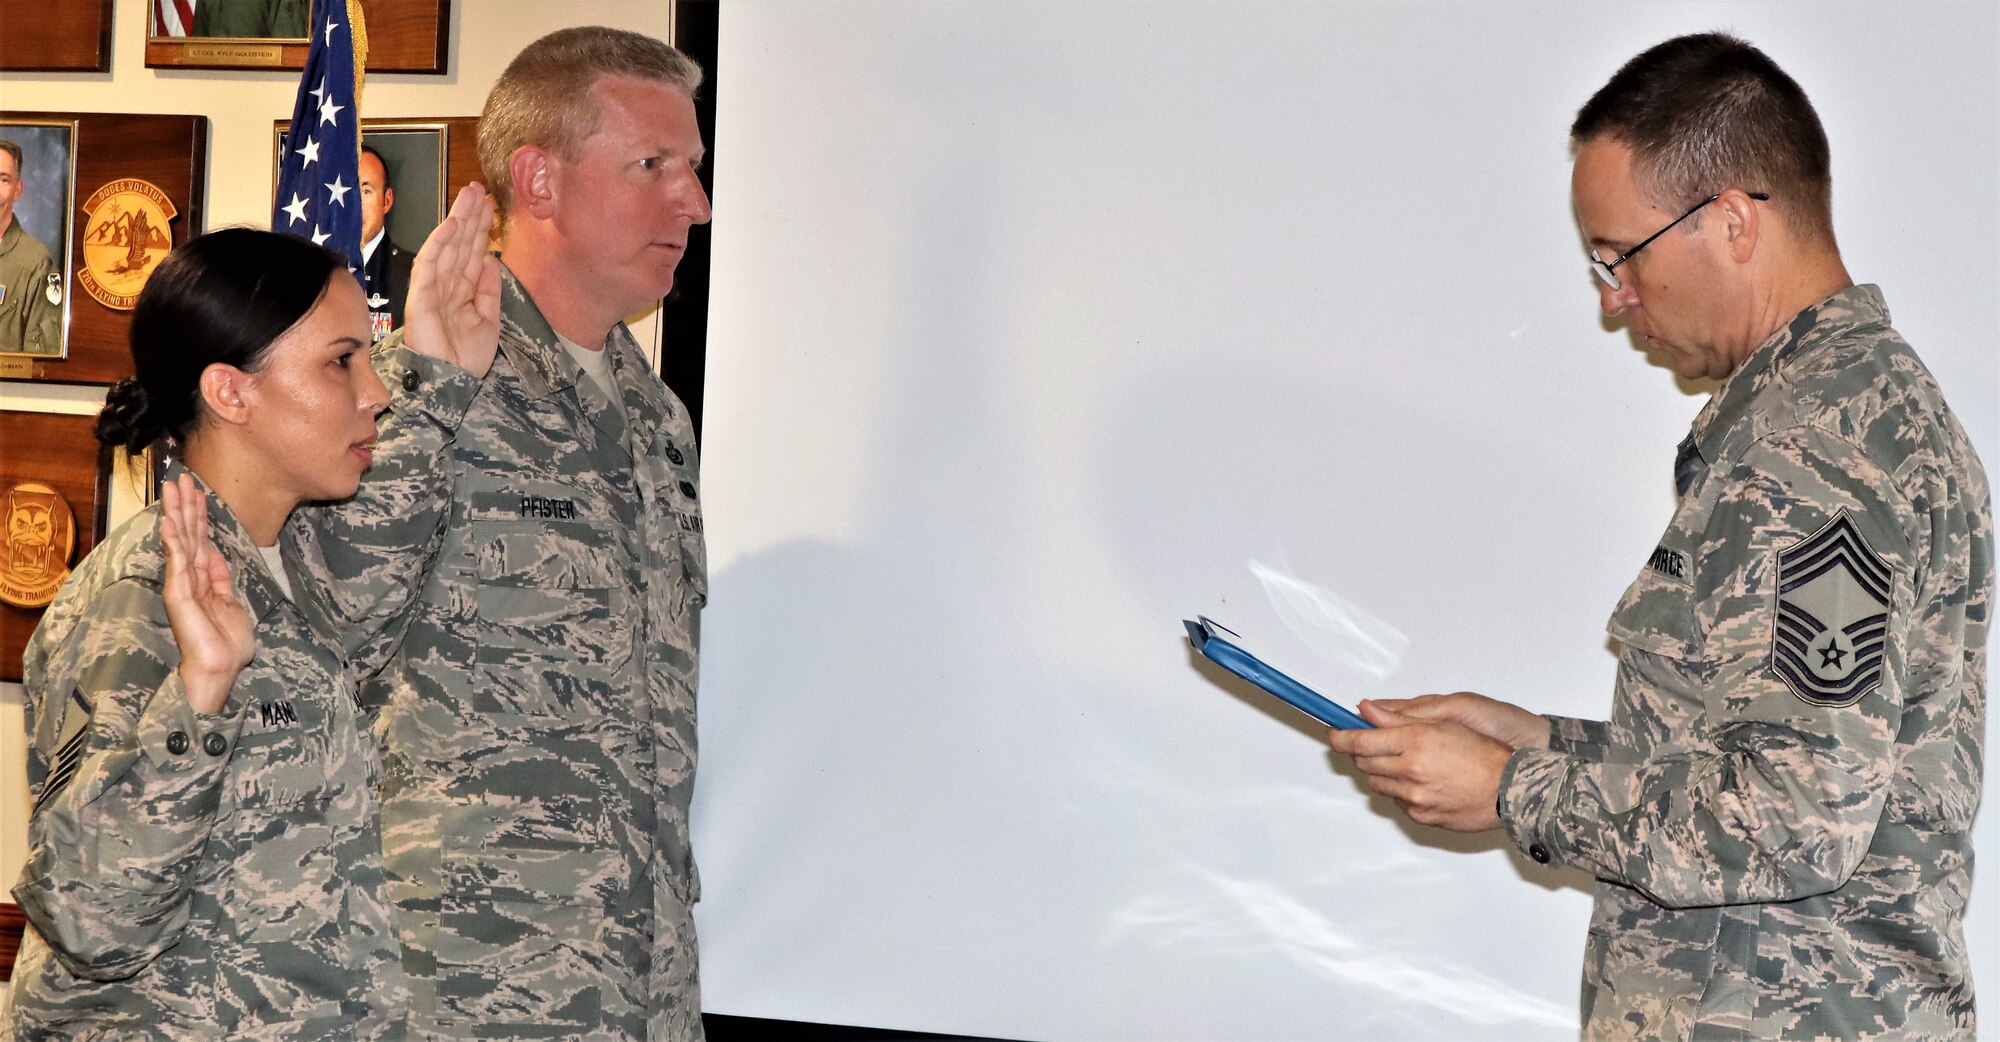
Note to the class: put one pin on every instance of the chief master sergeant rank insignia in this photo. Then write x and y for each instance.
(1833, 615)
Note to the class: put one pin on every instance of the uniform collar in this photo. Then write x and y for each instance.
(545, 367)
(1802, 337)
(530, 342)
(637, 387)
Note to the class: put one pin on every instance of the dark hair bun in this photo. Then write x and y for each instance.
(126, 421)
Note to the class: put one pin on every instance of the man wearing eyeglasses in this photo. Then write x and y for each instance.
(1779, 810)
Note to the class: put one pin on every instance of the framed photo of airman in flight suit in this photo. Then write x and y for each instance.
(37, 199)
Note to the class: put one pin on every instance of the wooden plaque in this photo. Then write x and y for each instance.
(403, 36)
(55, 35)
(12, 923)
(59, 451)
(165, 152)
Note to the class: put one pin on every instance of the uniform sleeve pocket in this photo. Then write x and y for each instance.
(1657, 612)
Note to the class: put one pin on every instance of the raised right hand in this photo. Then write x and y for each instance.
(216, 635)
(453, 311)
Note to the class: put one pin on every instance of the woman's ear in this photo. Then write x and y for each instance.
(222, 393)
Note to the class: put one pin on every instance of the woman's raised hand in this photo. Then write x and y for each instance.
(453, 311)
(215, 632)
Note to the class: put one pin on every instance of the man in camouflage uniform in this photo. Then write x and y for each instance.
(31, 289)
(1779, 810)
(538, 715)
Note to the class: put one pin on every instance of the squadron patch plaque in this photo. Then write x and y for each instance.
(39, 534)
(54, 481)
(125, 236)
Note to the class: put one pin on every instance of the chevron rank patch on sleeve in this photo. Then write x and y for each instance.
(1833, 615)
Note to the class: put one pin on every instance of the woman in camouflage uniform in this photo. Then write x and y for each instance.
(205, 856)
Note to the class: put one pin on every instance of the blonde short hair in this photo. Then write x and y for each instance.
(544, 98)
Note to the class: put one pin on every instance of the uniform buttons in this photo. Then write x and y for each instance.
(674, 454)
(687, 489)
(215, 745)
(177, 743)
(1539, 853)
(411, 381)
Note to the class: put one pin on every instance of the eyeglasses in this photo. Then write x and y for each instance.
(1603, 270)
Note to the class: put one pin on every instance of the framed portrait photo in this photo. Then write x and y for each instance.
(403, 35)
(37, 204)
(117, 190)
(403, 184)
(412, 157)
(410, 169)
(426, 159)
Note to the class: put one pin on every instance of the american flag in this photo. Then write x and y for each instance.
(319, 195)
(173, 17)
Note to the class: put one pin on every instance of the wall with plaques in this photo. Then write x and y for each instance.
(242, 106)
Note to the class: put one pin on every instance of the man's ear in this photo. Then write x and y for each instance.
(388, 199)
(223, 389)
(532, 170)
(1742, 223)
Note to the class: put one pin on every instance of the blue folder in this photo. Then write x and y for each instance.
(1222, 646)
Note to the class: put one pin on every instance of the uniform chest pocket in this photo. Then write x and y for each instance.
(284, 884)
(279, 774)
(1656, 614)
(560, 555)
(554, 606)
(281, 760)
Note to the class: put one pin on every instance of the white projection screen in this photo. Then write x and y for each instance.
(1038, 328)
